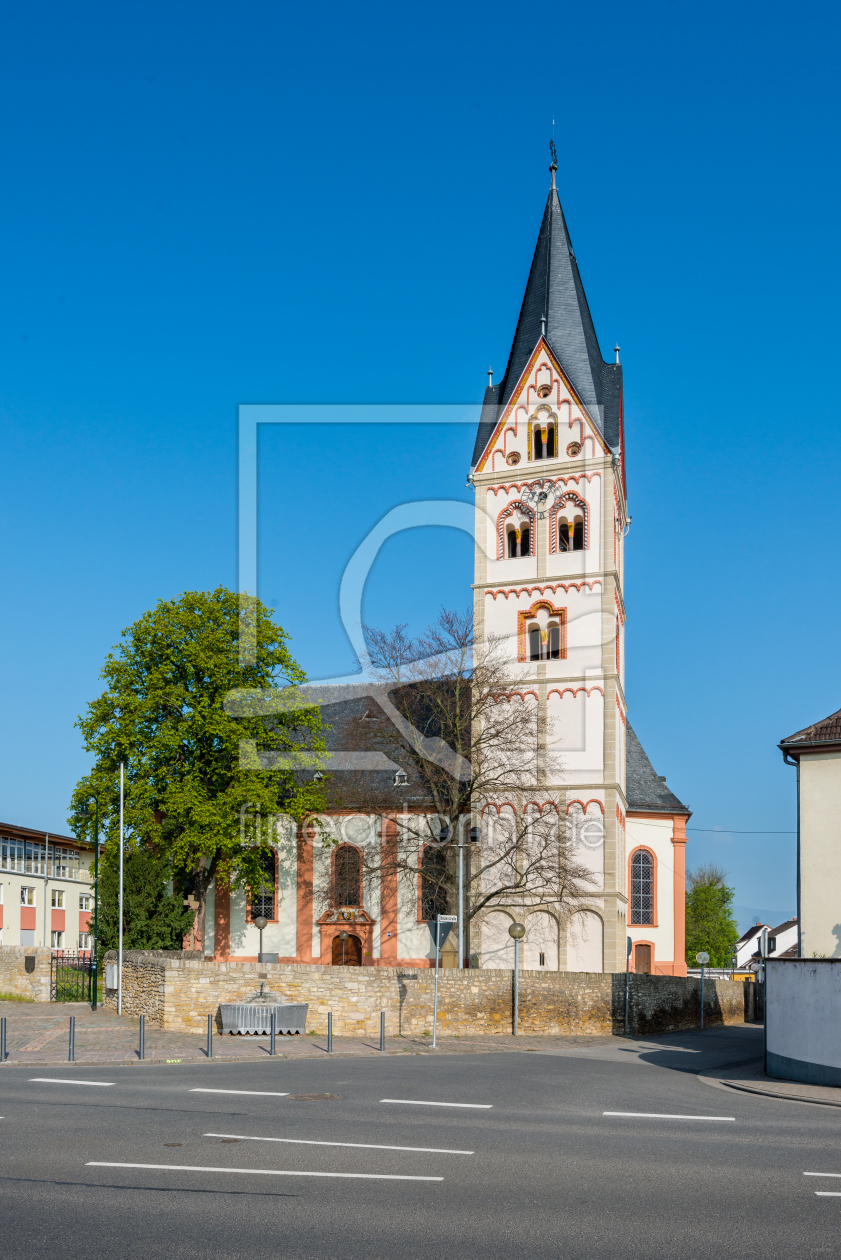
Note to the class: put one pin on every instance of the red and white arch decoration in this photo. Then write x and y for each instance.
(504, 515)
(569, 496)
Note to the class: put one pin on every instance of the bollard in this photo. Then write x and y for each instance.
(141, 1049)
(382, 1030)
(273, 1032)
(210, 1036)
(71, 1056)
(329, 1032)
(3, 1039)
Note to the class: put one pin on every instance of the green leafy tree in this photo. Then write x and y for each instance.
(710, 924)
(184, 707)
(154, 914)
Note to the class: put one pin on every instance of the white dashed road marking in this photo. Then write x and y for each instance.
(62, 1080)
(365, 1146)
(658, 1115)
(416, 1102)
(262, 1172)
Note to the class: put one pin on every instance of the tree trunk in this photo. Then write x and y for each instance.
(203, 878)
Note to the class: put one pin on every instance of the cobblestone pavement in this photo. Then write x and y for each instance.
(39, 1034)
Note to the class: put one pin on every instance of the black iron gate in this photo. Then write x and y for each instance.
(71, 977)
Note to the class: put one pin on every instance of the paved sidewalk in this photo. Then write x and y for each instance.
(38, 1034)
(750, 1078)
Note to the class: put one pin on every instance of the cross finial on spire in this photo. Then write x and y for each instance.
(553, 165)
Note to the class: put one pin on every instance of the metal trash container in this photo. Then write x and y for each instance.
(255, 1018)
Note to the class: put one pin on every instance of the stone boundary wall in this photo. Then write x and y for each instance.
(144, 974)
(178, 993)
(14, 978)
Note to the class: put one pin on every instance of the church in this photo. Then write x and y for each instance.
(551, 517)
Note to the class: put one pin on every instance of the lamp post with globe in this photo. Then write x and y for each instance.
(343, 937)
(260, 922)
(517, 931)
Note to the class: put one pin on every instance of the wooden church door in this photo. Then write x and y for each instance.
(352, 952)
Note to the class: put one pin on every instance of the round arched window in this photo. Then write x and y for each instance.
(642, 887)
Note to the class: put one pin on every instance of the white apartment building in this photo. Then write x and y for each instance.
(46, 893)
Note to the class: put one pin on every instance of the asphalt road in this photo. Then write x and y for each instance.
(146, 1166)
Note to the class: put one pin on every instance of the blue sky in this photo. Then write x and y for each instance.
(206, 206)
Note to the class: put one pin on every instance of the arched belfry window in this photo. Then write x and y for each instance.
(543, 441)
(541, 633)
(571, 534)
(519, 541)
(642, 887)
(545, 645)
(347, 876)
(515, 531)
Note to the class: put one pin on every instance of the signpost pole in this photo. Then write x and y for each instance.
(442, 918)
(435, 1004)
(461, 901)
(120, 902)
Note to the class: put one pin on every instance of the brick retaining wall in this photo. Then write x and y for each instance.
(179, 992)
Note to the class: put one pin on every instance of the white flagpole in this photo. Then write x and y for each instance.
(120, 908)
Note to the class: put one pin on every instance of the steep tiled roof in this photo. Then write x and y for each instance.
(359, 724)
(554, 290)
(827, 730)
(753, 931)
(644, 789)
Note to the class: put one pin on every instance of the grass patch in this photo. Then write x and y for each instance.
(14, 997)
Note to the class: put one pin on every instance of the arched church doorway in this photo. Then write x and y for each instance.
(352, 955)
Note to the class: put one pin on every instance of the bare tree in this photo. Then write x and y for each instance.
(474, 750)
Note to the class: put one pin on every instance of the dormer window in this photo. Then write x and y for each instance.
(518, 543)
(571, 534)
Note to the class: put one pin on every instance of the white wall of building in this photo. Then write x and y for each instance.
(655, 834)
(803, 1014)
(820, 854)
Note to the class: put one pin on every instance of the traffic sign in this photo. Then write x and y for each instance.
(448, 918)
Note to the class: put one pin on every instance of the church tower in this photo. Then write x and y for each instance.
(549, 476)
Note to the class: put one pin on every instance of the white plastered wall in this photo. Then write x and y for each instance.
(820, 855)
(655, 834)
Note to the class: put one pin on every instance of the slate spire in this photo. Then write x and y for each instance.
(554, 292)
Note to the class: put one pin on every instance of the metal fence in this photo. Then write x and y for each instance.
(71, 977)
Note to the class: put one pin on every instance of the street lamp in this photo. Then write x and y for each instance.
(260, 922)
(93, 808)
(518, 931)
(343, 937)
(703, 958)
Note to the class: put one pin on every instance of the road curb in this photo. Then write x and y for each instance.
(762, 1086)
